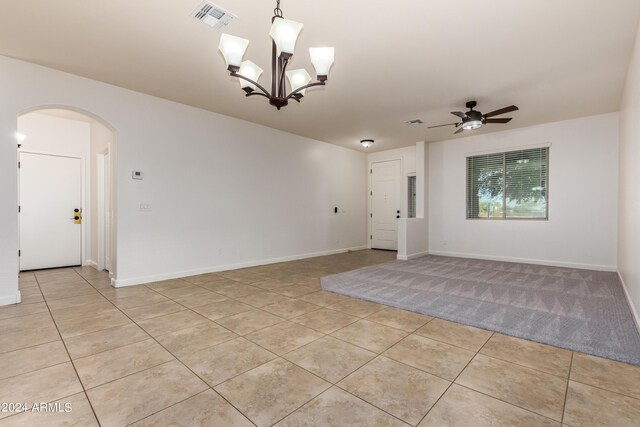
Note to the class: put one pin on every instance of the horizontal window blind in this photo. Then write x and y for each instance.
(508, 185)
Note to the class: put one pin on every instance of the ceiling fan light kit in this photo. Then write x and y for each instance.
(472, 119)
(284, 34)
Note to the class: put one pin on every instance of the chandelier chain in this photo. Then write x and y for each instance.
(277, 11)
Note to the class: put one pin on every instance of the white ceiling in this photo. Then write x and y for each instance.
(395, 60)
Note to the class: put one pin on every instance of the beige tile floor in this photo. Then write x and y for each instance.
(264, 346)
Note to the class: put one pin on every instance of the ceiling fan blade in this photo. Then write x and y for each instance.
(503, 121)
(459, 114)
(501, 111)
(458, 131)
(439, 126)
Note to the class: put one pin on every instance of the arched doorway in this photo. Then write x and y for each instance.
(72, 154)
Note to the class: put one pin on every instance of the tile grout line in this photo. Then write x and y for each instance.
(175, 359)
(84, 390)
(494, 397)
(279, 357)
(324, 335)
(238, 336)
(566, 391)
(454, 380)
(508, 403)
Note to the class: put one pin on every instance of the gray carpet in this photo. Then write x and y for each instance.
(579, 310)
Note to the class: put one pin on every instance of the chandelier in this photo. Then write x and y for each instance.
(284, 34)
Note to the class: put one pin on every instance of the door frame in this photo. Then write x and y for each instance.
(85, 214)
(370, 196)
(104, 241)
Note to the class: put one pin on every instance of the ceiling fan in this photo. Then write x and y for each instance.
(473, 119)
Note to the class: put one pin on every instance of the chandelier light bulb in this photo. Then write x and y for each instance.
(233, 49)
(251, 71)
(297, 79)
(322, 59)
(285, 35)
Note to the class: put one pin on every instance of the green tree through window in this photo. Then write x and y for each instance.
(508, 185)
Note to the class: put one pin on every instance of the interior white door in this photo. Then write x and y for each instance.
(385, 204)
(50, 191)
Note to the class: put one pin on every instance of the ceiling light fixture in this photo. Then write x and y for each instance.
(366, 143)
(472, 124)
(284, 34)
(20, 137)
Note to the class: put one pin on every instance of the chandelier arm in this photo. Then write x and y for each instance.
(258, 93)
(240, 76)
(283, 85)
(274, 87)
(291, 95)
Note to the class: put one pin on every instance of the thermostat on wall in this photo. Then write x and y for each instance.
(136, 175)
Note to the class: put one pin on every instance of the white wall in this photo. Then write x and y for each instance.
(223, 192)
(57, 135)
(583, 196)
(629, 208)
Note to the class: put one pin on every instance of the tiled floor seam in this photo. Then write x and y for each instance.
(372, 404)
(526, 366)
(566, 392)
(28, 346)
(453, 382)
(278, 356)
(84, 390)
(183, 400)
(605, 389)
(182, 363)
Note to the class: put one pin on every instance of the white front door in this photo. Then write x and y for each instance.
(385, 204)
(50, 192)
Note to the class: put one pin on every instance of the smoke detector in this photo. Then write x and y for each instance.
(214, 16)
(414, 122)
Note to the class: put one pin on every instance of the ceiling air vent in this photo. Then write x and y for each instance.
(214, 16)
(413, 122)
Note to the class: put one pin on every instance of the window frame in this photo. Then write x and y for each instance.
(504, 181)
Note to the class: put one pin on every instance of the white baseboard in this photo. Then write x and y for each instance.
(634, 310)
(528, 261)
(411, 256)
(11, 299)
(118, 283)
(90, 263)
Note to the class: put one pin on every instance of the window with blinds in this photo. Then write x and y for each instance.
(411, 196)
(509, 185)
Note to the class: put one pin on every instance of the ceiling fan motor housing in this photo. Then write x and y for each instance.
(474, 115)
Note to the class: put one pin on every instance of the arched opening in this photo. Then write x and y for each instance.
(66, 189)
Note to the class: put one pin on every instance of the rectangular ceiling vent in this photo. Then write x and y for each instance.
(413, 122)
(214, 16)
